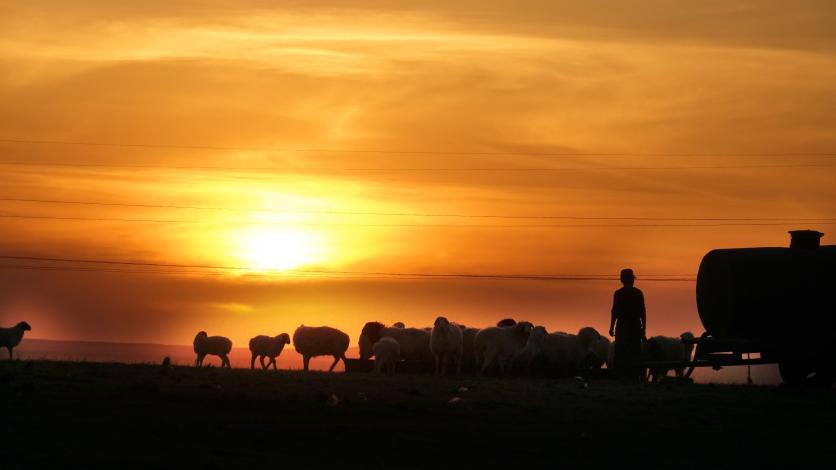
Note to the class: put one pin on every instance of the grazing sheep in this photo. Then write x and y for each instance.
(11, 337)
(506, 322)
(468, 339)
(265, 346)
(215, 345)
(668, 349)
(500, 345)
(312, 341)
(445, 344)
(415, 342)
(387, 353)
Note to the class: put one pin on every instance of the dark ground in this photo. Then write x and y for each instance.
(83, 415)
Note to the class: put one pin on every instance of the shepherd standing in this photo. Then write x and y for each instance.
(628, 325)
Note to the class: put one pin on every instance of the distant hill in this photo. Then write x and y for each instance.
(131, 353)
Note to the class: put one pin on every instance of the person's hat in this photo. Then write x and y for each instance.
(627, 274)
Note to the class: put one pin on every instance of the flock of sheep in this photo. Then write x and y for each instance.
(509, 347)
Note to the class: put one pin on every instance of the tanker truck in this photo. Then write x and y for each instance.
(770, 306)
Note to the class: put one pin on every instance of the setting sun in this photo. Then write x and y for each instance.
(266, 249)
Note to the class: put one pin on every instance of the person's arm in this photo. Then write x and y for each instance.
(643, 314)
(614, 314)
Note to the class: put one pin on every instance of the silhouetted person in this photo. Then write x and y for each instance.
(628, 324)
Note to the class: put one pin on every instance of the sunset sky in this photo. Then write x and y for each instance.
(329, 154)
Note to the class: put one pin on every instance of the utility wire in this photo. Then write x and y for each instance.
(292, 169)
(533, 277)
(323, 224)
(410, 152)
(402, 214)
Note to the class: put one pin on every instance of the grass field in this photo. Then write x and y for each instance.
(82, 415)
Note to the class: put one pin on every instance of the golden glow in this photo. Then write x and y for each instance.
(278, 249)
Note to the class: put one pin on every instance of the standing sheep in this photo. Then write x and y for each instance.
(468, 339)
(312, 341)
(387, 353)
(215, 345)
(11, 337)
(445, 344)
(506, 322)
(415, 342)
(563, 353)
(500, 345)
(668, 349)
(264, 346)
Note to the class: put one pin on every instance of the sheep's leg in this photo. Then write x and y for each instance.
(263, 366)
(305, 361)
(252, 362)
(199, 361)
(486, 363)
(225, 362)
(336, 360)
(272, 361)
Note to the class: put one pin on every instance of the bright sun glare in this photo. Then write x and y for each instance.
(266, 249)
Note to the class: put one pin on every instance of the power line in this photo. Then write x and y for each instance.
(404, 214)
(501, 276)
(322, 224)
(411, 152)
(292, 169)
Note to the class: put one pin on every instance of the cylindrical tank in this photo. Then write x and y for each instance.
(770, 293)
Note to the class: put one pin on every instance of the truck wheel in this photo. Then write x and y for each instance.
(794, 372)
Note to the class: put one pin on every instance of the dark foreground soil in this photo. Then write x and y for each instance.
(90, 415)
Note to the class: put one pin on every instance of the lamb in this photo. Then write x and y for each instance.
(414, 342)
(11, 337)
(500, 345)
(215, 345)
(387, 353)
(445, 344)
(265, 346)
(668, 349)
(312, 341)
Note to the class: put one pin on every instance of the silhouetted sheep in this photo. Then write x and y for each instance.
(387, 353)
(11, 337)
(564, 353)
(500, 345)
(414, 342)
(312, 341)
(399, 324)
(215, 345)
(446, 344)
(668, 349)
(266, 346)
(506, 322)
(468, 339)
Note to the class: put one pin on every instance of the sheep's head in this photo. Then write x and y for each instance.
(506, 322)
(688, 348)
(588, 335)
(441, 322)
(24, 326)
(536, 338)
(370, 334)
(399, 324)
(522, 331)
(283, 338)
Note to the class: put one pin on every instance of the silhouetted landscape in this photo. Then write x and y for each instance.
(102, 414)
